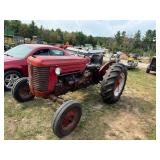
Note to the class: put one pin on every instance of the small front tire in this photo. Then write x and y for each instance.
(66, 118)
(20, 90)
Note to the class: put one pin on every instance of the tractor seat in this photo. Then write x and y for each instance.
(96, 62)
(93, 66)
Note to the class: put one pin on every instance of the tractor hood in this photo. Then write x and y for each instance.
(66, 63)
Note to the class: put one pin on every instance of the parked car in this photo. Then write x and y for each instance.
(134, 55)
(93, 52)
(84, 53)
(6, 47)
(131, 63)
(76, 51)
(152, 65)
(15, 60)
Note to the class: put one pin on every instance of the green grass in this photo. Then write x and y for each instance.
(133, 117)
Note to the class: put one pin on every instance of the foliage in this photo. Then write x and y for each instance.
(120, 42)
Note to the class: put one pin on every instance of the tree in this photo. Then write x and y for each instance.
(59, 36)
(120, 41)
(15, 26)
(67, 37)
(123, 34)
(80, 38)
(23, 30)
(33, 29)
(149, 41)
(137, 40)
(40, 32)
(91, 40)
(6, 24)
(118, 38)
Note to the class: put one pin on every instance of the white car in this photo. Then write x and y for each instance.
(76, 51)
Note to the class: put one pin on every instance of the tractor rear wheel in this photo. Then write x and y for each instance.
(66, 118)
(113, 83)
(21, 91)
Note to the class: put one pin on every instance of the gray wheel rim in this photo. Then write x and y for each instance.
(10, 79)
(119, 88)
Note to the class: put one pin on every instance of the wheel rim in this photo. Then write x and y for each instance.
(10, 79)
(119, 83)
(70, 119)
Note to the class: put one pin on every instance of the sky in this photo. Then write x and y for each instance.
(102, 28)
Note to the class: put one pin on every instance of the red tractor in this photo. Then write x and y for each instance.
(50, 77)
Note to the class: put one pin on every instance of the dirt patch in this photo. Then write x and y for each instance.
(124, 126)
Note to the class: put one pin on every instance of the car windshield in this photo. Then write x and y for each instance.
(19, 51)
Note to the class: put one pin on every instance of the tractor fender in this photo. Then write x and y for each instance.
(103, 69)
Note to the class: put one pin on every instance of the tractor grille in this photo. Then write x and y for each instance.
(40, 78)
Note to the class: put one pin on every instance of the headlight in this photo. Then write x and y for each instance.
(58, 71)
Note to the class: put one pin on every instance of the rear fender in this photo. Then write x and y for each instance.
(103, 69)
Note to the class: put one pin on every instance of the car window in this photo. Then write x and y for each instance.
(56, 52)
(42, 52)
(19, 51)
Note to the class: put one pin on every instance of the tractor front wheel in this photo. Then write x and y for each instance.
(113, 83)
(21, 91)
(66, 118)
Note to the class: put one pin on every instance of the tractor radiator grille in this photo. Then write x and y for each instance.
(40, 78)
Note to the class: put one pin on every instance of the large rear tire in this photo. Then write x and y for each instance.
(66, 118)
(113, 83)
(21, 91)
